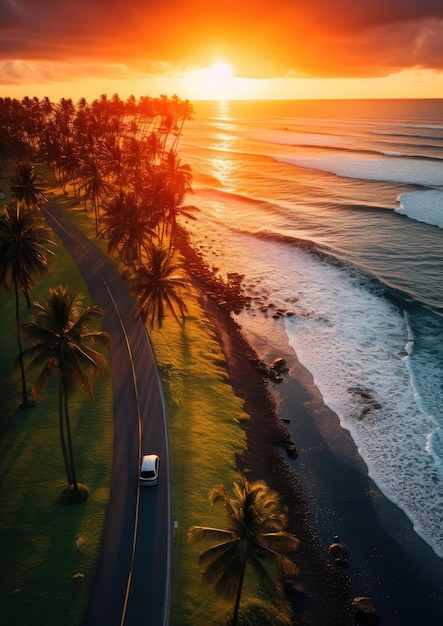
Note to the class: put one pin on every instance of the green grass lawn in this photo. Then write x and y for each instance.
(38, 535)
(205, 437)
(40, 555)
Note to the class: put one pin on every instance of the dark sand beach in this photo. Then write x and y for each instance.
(326, 488)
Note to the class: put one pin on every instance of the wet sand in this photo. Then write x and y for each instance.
(326, 488)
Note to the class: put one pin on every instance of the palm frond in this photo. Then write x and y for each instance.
(205, 533)
(253, 543)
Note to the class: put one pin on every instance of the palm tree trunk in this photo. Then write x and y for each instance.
(96, 214)
(172, 234)
(239, 591)
(25, 402)
(68, 432)
(62, 432)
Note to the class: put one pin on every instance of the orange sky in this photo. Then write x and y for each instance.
(276, 48)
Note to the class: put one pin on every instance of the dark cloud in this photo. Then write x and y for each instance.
(261, 37)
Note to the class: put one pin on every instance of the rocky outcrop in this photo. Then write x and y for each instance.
(274, 371)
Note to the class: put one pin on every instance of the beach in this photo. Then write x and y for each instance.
(326, 489)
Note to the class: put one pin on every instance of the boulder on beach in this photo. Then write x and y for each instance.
(366, 613)
(291, 450)
(269, 371)
(339, 552)
(279, 364)
(274, 370)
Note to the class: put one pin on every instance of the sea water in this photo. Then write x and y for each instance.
(333, 213)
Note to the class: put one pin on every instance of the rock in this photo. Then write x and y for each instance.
(291, 450)
(365, 611)
(339, 552)
(261, 368)
(276, 378)
(279, 364)
(270, 371)
(290, 447)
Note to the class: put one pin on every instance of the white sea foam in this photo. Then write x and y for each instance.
(356, 346)
(435, 448)
(423, 206)
(403, 170)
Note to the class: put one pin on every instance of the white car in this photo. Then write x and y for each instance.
(149, 470)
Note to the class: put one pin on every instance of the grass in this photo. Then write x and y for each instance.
(39, 535)
(46, 575)
(205, 437)
(40, 555)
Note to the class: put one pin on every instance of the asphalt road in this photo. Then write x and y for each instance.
(132, 584)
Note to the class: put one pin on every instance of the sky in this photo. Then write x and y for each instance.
(221, 49)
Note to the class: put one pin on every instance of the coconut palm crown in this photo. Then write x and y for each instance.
(63, 339)
(157, 286)
(24, 252)
(253, 541)
(25, 186)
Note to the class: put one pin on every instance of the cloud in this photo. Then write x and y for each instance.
(259, 37)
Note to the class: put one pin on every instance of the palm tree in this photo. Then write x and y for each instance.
(128, 225)
(157, 284)
(62, 339)
(24, 241)
(176, 178)
(25, 186)
(253, 541)
(185, 111)
(94, 184)
(137, 154)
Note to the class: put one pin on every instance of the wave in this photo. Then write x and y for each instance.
(407, 170)
(388, 133)
(431, 127)
(376, 284)
(286, 210)
(357, 123)
(363, 151)
(423, 206)
(362, 277)
(325, 138)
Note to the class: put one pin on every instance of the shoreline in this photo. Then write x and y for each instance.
(325, 594)
(327, 489)
(388, 560)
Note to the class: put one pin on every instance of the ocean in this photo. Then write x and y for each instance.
(332, 211)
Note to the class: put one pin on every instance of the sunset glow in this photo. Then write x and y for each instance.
(202, 50)
(216, 80)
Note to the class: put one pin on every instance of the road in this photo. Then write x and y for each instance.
(133, 577)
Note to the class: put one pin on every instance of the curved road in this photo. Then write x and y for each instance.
(132, 583)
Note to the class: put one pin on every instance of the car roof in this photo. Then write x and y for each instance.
(149, 460)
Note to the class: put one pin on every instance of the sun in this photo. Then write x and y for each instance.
(220, 71)
(212, 82)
